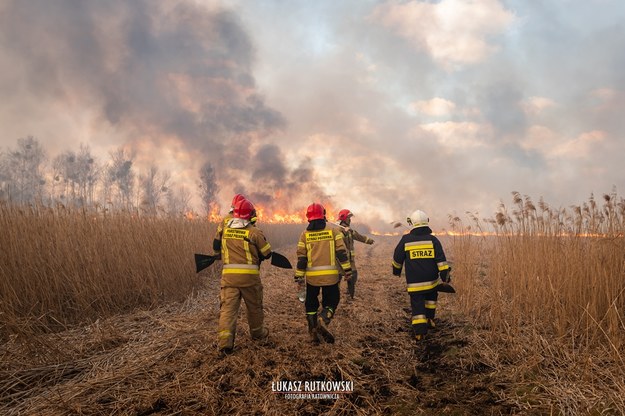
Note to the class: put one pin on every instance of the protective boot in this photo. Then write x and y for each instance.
(260, 334)
(351, 285)
(325, 317)
(351, 288)
(312, 328)
(223, 352)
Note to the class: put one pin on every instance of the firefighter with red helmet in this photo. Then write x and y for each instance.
(318, 250)
(426, 266)
(243, 247)
(349, 236)
(224, 222)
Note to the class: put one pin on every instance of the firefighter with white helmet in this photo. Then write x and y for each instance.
(349, 236)
(318, 250)
(243, 247)
(426, 267)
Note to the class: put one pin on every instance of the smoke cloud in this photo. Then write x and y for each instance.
(170, 74)
(380, 107)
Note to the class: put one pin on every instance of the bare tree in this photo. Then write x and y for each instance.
(178, 201)
(88, 174)
(153, 186)
(5, 176)
(208, 187)
(78, 174)
(119, 180)
(25, 170)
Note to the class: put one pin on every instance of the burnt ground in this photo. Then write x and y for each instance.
(165, 361)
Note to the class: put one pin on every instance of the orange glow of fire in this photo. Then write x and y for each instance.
(279, 217)
(379, 233)
(276, 216)
(267, 215)
(213, 214)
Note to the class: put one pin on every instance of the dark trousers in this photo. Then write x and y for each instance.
(330, 297)
(423, 305)
(351, 284)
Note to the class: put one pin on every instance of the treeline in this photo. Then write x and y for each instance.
(77, 179)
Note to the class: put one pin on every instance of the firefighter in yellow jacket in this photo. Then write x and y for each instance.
(224, 222)
(426, 267)
(349, 236)
(243, 247)
(318, 250)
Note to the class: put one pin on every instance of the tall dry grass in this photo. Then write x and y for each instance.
(562, 268)
(60, 267)
(549, 284)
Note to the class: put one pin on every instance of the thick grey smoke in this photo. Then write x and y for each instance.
(339, 99)
(157, 71)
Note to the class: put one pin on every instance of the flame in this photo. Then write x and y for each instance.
(373, 232)
(520, 234)
(280, 217)
(213, 214)
(270, 215)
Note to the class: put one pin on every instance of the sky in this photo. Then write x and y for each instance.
(381, 107)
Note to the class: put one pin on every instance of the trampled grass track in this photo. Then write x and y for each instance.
(165, 361)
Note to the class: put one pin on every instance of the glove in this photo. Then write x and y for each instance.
(446, 276)
(299, 280)
(348, 276)
(301, 289)
(371, 241)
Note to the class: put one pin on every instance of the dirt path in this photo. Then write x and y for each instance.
(165, 361)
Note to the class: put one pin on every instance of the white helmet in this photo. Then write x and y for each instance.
(418, 219)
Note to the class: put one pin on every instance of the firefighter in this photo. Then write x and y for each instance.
(349, 236)
(426, 266)
(224, 222)
(318, 250)
(243, 247)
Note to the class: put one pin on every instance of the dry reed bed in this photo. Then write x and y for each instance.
(518, 338)
(164, 361)
(61, 267)
(547, 291)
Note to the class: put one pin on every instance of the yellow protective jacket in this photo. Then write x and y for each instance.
(318, 252)
(220, 230)
(349, 236)
(242, 250)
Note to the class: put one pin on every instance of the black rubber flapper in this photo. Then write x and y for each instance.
(445, 288)
(202, 261)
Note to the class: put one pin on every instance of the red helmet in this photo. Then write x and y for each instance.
(237, 198)
(315, 211)
(244, 209)
(344, 214)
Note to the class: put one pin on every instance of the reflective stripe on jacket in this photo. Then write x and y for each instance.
(424, 259)
(318, 252)
(241, 252)
(350, 235)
